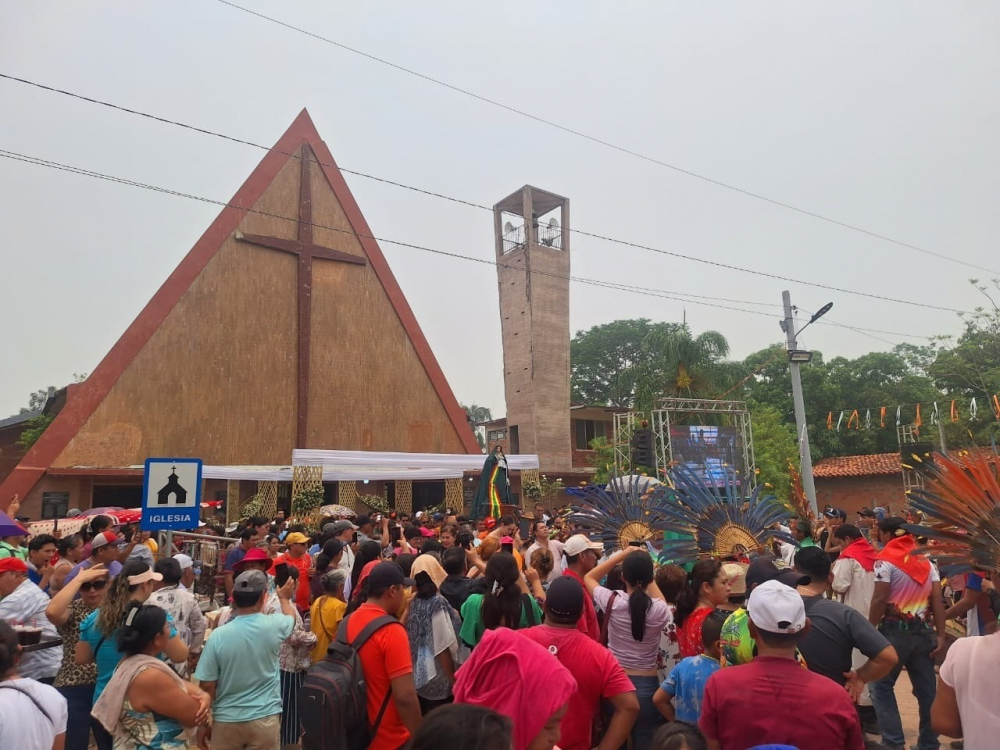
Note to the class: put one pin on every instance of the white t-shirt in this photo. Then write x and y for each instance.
(22, 724)
(971, 669)
(559, 562)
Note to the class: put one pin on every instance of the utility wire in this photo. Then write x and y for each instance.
(647, 291)
(15, 156)
(480, 206)
(608, 144)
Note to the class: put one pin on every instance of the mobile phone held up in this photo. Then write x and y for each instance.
(280, 574)
(637, 543)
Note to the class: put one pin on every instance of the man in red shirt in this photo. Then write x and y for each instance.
(597, 673)
(296, 556)
(581, 558)
(385, 659)
(761, 703)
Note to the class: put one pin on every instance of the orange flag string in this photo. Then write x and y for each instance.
(829, 421)
(918, 421)
(996, 407)
(881, 413)
(954, 412)
(854, 418)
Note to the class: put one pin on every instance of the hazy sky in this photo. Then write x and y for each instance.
(884, 115)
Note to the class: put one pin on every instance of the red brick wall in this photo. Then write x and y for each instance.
(853, 493)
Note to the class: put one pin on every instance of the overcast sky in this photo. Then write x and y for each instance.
(882, 115)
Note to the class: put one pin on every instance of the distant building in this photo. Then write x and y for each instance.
(856, 482)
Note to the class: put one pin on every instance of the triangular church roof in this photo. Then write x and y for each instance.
(88, 396)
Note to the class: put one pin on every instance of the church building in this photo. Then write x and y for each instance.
(282, 328)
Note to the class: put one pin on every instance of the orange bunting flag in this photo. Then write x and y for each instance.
(829, 421)
(918, 421)
(855, 419)
(881, 414)
(954, 412)
(996, 406)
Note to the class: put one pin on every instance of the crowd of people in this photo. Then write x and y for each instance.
(505, 634)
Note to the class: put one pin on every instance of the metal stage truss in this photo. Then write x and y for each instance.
(672, 411)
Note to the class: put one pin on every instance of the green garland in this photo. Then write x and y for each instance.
(377, 503)
(307, 501)
(252, 507)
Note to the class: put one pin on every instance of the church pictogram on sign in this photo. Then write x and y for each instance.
(172, 492)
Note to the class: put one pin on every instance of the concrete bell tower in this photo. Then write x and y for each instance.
(532, 251)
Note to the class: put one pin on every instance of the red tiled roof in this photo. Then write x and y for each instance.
(858, 466)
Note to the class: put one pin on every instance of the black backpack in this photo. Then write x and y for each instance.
(333, 699)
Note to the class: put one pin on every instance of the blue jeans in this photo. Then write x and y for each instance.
(79, 702)
(914, 651)
(650, 717)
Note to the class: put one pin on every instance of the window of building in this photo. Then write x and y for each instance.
(587, 430)
(494, 436)
(55, 504)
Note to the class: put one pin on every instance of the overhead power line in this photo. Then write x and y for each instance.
(472, 204)
(605, 143)
(660, 293)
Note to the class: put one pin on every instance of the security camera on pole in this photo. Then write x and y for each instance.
(796, 357)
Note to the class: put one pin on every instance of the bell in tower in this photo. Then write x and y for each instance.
(532, 251)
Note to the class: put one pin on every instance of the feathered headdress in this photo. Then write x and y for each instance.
(624, 512)
(717, 521)
(962, 493)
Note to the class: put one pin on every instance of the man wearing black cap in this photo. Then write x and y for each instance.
(385, 659)
(597, 673)
(737, 644)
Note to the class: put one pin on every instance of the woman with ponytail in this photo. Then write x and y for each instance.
(633, 621)
(145, 705)
(99, 631)
(707, 588)
(506, 603)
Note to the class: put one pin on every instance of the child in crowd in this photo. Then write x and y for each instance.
(685, 684)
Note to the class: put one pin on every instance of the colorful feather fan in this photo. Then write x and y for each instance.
(692, 518)
(718, 521)
(962, 494)
(624, 512)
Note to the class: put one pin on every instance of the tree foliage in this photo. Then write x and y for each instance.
(477, 416)
(605, 361)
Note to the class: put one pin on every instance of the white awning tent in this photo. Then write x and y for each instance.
(459, 462)
(330, 473)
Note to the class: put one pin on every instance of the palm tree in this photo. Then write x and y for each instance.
(681, 365)
(478, 416)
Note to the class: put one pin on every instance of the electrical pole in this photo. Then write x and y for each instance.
(805, 458)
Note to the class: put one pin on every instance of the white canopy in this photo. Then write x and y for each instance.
(356, 459)
(330, 473)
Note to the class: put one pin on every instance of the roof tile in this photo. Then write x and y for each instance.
(859, 466)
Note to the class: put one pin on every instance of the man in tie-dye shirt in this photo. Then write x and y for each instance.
(907, 607)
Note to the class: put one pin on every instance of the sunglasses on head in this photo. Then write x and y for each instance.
(93, 585)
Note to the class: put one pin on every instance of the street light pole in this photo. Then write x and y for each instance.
(805, 458)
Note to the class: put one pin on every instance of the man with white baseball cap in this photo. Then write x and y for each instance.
(764, 702)
(187, 571)
(582, 555)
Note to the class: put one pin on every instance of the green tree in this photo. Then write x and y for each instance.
(605, 361)
(604, 459)
(478, 416)
(33, 430)
(37, 399)
(677, 363)
(774, 445)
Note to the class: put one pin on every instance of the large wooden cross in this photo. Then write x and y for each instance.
(303, 247)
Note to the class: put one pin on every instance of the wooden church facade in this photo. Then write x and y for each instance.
(282, 328)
